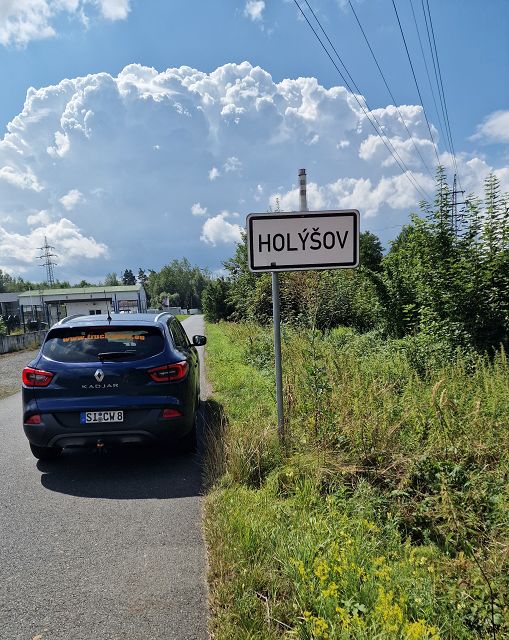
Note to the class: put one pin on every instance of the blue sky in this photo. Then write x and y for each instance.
(165, 167)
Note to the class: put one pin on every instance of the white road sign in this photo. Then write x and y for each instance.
(303, 240)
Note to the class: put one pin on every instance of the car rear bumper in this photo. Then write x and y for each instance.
(51, 434)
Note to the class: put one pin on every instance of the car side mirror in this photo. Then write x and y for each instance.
(199, 341)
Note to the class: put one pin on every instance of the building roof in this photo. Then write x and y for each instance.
(78, 291)
(9, 297)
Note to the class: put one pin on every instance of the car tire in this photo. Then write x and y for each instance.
(45, 453)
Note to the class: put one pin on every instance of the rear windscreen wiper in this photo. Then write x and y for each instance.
(116, 355)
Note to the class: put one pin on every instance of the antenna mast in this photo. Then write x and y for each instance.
(48, 263)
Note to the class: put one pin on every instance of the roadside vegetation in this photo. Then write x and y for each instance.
(385, 512)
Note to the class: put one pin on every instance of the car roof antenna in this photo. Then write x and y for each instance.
(108, 317)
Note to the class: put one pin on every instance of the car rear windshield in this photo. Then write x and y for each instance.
(93, 344)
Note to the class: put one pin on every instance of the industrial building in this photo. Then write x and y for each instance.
(46, 306)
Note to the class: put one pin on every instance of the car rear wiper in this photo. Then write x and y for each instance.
(116, 355)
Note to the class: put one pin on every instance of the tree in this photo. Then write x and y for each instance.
(111, 280)
(243, 282)
(179, 277)
(5, 281)
(450, 277)
(142, 277)
(215, 300)
(371, 251)
(128, 277)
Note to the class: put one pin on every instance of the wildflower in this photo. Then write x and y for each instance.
(344, 617)
(331, 591)
(299, 565)
(419, 630)
(389, 611)
(319, 628)
(321, 569)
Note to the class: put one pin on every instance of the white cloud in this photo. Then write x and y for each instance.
(495, 128)
(219, 230)
(229, 138)
(24, 20)
(198, 210)
(232, 164)
(20, 179)
(254, 10)
(66, 238)
(114, 9)
(355, 193)
(61, 147)
(71, 199)
(39, 219)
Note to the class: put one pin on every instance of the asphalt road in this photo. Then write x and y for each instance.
(101, 546)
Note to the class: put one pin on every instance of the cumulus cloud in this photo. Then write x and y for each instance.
(24, 20)
(254, 10)
(19, 178)
(198, 210)
(131, 158)
(41, 218)
(22, 250)
(356, 193)
(71, 199)
(218, 230)
(495, 128)
(114, 9)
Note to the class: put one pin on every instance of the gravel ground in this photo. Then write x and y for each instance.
(11, 365)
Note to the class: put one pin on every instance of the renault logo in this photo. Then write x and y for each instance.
(99, 375)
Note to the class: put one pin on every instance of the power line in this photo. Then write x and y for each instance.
(389, 90)
(415, 80)
(437, 111)
(441, 87)
(387, 143)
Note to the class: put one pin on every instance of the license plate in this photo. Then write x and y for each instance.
(93, 417)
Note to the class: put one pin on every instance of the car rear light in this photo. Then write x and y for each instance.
(169, 372)
(36, 377)
(171, 413)
(35, 419)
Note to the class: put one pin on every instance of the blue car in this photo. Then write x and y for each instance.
(112, 379)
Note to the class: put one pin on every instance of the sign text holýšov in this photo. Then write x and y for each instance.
(303, 240)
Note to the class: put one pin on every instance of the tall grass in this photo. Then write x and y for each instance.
(386, 513)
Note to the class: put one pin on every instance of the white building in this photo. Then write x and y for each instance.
(50, 305)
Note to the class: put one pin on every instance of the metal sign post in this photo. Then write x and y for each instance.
(277, 355)
(297, 241)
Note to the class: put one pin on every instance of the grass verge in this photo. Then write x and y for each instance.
(386, 514)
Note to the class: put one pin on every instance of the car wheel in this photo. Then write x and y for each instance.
(45, 453)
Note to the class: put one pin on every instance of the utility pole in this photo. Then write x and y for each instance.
(48, 263)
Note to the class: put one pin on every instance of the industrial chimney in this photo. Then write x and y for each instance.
(303, 194)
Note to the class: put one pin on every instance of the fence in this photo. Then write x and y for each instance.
(30, 340)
